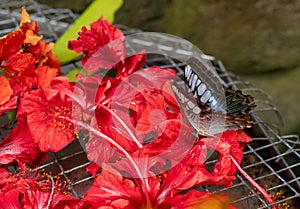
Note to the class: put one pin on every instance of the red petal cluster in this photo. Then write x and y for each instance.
(49, 113)
(31, 86)
(31, 190)
(19, 146)
(112, 190)
(99, 35)
(26, 58)
(27, 61)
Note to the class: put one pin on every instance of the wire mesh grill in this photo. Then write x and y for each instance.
(52, 22)
(271, 159)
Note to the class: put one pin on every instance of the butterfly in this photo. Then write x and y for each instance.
(209, 105)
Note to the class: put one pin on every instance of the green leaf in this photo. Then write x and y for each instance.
(98, 8)
(72, 74)
(11, 115)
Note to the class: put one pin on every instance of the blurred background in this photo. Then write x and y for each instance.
(257, 39)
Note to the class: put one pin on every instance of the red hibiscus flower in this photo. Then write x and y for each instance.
(106, 90)
(90, 41)
(31, 190)
(131, 130)
(49, 114)
(19, 146)
(162, 192)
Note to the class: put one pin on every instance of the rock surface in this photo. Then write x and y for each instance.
(77, 6)
(285, 92)
(250, 36)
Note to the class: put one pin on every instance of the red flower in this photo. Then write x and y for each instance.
(19, 146)
(224, 170)
(108, 86)
(22, 52)
(5, 90)
(27, 61)
(18, 92)
(31, 190)
(49, 114)
(11, 44)
(165, 190)
(90, 41)
(144, 108)
(162, 192)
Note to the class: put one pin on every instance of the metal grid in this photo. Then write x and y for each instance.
(52, 22)
(271, 159)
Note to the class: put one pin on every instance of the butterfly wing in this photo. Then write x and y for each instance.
(238, 103)
(206, 86)
(206, 112)
(206, 121)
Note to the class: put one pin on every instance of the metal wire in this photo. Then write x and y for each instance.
(271, 159)
(52, 22)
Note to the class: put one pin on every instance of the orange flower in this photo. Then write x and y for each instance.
(5, 90)
(23, 52)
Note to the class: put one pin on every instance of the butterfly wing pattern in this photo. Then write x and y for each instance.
(209, 109)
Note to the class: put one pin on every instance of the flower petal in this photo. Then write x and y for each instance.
(48, 114)
(90, 41)
(5, 90)
(19, 146)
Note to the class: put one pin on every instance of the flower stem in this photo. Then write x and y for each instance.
(262, 191)
(125, 126)
(118, 146)
(52, 193)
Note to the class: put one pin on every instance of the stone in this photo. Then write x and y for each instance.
(247, 36)
(285, 92)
